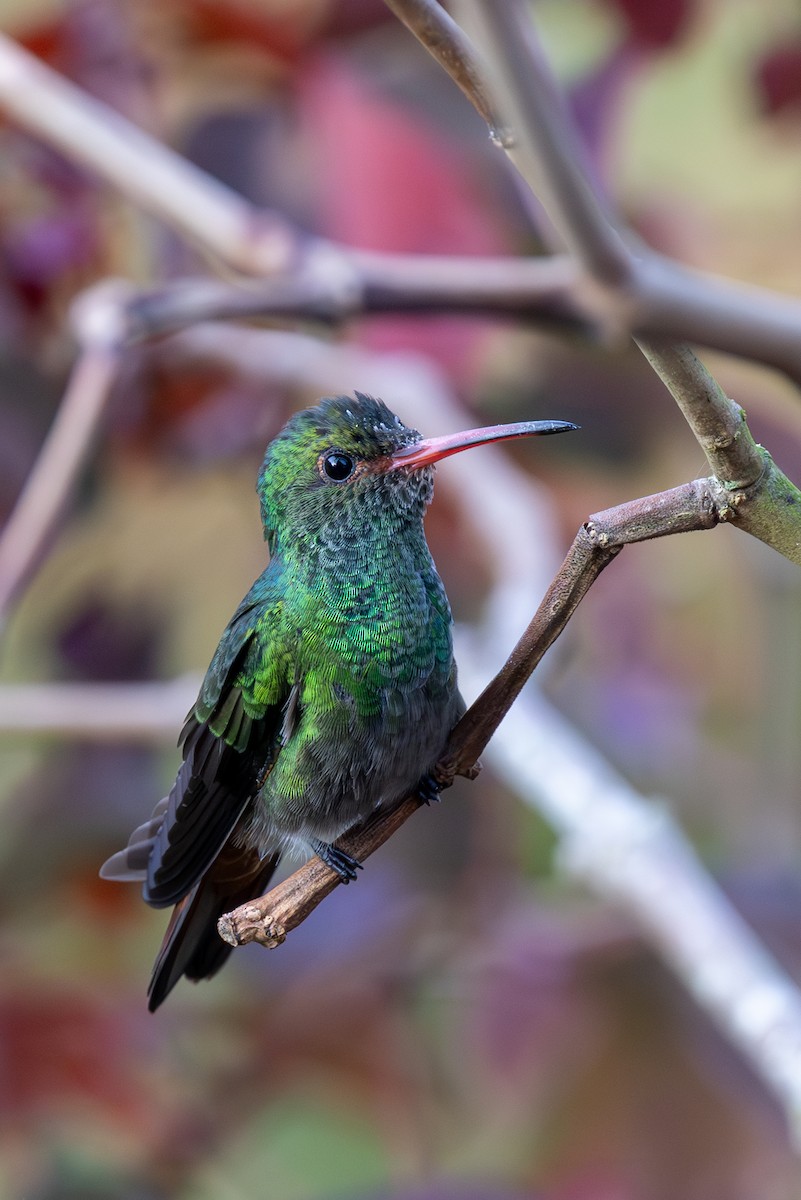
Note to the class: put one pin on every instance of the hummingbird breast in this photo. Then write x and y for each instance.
(373, 697)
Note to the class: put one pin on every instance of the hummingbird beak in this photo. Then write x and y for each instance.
(431, 450)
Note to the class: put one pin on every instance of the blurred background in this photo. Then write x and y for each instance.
(466, 1023)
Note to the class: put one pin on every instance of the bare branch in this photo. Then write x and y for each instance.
(717, 422)
(669, 300)
(91, 133)
(321, 280)
(100, 323)
(102, 712)
(547, 150)
(269, 919)
(453, 50)
(296, 898)
(49, 485)
(334, 284)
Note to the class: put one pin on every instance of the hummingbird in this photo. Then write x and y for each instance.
(333, 689)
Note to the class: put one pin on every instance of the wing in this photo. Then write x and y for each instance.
(228, 741)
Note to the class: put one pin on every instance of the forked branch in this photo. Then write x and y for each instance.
(631, 280)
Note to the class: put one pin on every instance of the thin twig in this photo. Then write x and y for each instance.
(453, 50)
(547, 150)
(47, 489)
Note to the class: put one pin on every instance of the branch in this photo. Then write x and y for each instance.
(91, 133)
(453, 50)
(624, 847)
(624, 290)
(751, 492)
(332, 284)
(547, 150)
(141, 712)
(66, 447)
(661, 298)
(763, 501)
(269, 919)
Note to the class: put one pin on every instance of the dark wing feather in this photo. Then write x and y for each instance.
(225, 749)
(192, 945)
(185, 854)
(203, 807)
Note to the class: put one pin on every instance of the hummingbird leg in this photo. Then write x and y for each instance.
(344, 864)
(429, 788)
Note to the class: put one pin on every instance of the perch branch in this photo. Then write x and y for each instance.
(269, 919)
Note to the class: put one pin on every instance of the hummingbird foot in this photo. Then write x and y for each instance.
(429, 788)
(344, 864)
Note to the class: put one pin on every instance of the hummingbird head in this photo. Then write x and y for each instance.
(351, 462)
(329, 464)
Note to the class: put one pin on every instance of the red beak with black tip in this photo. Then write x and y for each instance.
(431, 450)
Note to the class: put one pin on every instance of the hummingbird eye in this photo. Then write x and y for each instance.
(337, 465)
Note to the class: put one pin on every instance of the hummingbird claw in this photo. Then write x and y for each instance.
(428, 789)
(344, 864)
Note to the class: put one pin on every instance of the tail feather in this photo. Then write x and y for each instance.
(131, 863)
(192, 946)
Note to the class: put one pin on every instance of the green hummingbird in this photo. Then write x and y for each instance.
(333, 689)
